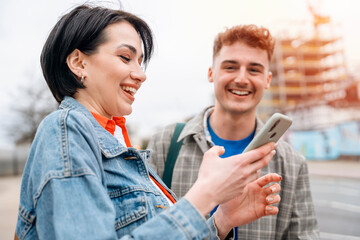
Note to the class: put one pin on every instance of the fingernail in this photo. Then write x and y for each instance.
(273, 152)
(268, 208)
(273, 189)
(269, 199)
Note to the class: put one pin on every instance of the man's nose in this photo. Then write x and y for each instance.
(241, 77)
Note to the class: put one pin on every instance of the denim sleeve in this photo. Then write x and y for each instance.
(68, 210)
(214, 232)
(181, 221)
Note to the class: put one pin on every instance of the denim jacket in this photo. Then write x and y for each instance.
(80, 183)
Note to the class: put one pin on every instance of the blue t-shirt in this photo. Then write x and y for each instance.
(232, 147)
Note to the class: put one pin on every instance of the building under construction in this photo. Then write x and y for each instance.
(312, 85)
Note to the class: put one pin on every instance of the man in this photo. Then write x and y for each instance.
(240, 74)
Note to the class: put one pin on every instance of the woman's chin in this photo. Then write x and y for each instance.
(124, 112)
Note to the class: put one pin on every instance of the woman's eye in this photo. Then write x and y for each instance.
(125, 58)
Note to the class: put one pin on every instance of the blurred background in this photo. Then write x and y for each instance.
(315, 81)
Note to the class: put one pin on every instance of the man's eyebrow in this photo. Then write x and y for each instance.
(130, 47)
(252, 64)
(229, 61)
(255, 64)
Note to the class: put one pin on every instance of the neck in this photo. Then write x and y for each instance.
(232, 126)
(90, 104)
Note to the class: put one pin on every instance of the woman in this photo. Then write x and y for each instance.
(83, 180)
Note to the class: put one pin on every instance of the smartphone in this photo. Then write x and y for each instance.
(272, 131)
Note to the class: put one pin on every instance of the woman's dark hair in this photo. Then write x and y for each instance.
(82, 29)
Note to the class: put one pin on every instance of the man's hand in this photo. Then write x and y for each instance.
(252, 204)
(222, 179)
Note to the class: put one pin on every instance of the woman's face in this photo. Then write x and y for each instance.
(113, 73)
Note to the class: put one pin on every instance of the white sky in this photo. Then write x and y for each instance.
(184, 30)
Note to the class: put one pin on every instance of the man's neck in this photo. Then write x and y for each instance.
(231, 126)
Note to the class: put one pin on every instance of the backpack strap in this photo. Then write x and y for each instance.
(172, 154)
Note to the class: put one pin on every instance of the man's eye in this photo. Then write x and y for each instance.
(229, 67)
(125, 58)
(254, 70)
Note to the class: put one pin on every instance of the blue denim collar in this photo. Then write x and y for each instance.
(108, 144)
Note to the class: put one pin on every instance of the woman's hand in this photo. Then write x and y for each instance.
(222, 179)
(253, 204)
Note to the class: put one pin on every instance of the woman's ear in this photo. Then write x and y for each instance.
(75, 62)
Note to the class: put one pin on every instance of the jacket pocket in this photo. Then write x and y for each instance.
(130, 207)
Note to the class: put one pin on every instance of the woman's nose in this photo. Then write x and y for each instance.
(138, 74)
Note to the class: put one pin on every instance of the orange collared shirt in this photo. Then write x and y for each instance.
(109, 125)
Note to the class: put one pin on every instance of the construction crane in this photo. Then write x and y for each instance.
(314, 8)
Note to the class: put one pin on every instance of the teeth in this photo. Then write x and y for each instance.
(241, 93)
(129, 89)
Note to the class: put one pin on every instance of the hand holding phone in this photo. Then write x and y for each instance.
(274, 128)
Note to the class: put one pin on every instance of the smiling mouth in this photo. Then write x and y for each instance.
(240, 92)
(129, 90)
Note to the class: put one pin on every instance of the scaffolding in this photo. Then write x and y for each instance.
(310, 80)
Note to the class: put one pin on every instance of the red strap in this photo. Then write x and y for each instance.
(120, 121)
(167, 194)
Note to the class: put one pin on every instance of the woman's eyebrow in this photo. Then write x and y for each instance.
(130, 47)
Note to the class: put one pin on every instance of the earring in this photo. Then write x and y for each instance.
(82, 79)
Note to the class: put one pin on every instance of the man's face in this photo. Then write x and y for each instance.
(240, 74)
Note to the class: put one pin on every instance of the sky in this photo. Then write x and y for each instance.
(184, 30)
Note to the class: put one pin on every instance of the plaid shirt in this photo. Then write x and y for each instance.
(296, 218)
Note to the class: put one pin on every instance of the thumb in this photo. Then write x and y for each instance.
(218, 150)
